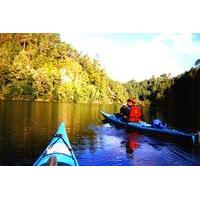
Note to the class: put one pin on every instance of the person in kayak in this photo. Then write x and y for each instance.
(131, 111)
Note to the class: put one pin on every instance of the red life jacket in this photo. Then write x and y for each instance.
(135, 114)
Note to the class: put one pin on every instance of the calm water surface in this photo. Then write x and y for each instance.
(27, 127)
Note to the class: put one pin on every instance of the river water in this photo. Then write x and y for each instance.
(27, 127)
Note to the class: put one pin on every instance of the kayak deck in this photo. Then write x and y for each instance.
(146, 128)
(58, 152)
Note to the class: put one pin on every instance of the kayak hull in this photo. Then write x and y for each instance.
(147, 129)
(58, 151)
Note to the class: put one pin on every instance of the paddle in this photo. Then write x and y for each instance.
(114, 95)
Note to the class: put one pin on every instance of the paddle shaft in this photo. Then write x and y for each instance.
(114, 95)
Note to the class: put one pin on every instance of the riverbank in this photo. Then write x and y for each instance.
(2, 98)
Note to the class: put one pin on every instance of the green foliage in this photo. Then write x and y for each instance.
(153, 90)
(42, 67)
(182, 100)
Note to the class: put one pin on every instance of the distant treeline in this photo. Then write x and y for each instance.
(179, 96)
(42, 67)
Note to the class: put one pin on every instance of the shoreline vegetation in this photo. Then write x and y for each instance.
(40, 67)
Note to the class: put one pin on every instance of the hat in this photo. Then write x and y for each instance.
(131, 99)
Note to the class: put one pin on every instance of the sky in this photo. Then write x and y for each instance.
(138, 56)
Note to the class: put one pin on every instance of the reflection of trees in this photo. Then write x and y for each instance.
(79, 117)
(27, 127)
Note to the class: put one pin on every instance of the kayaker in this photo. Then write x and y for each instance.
(135, 112)
(124, 110)
(131, 112)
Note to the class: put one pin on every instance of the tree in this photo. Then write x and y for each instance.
(197, 63)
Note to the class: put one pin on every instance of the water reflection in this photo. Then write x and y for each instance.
(27, 127)
(132, 141)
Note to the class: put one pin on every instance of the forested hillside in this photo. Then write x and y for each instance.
(153, 90)
(183, 99)
(39, 66)
(42, 67)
